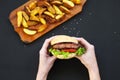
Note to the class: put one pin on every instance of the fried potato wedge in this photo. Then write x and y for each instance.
(51, 9)
(34, 18)
(24, 23)
(25, 16)
(42, 28)
(76, 1)
(42, 20)
(57, 10)
(49, 14)
(32, 23)
(29, 32)
(27, 10)
(68, 4)
(19, 18)
(41, 11)
(41, 16)
(32, 5)
(60, 16)
(56, 2)
(64, 9)
(35, 11)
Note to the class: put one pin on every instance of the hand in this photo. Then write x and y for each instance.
(45, 61)
(89, 59)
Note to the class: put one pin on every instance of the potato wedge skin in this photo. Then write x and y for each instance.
(27, 10)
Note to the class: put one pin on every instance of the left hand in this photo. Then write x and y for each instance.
(45, 61)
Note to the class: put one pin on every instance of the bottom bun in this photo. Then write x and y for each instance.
(69, 56)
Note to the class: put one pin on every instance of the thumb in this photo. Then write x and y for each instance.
(78, 57)
(53, 58)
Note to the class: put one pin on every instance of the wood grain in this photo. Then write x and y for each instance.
(27, 38)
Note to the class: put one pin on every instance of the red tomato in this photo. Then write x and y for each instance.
(69, 50)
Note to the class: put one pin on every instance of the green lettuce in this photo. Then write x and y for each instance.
(56, 52)
(80, 51)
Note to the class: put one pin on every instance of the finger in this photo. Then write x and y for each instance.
(84, 42)
(43, 50)
(54, 58)
(78, 57)
(46, 43)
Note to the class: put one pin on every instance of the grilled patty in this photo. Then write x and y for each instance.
(66, 45)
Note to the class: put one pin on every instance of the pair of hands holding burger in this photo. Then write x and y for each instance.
(66, 47)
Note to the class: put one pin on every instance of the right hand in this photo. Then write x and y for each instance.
(88, 59)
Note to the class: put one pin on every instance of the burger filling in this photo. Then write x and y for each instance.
(67, 48)
(66, 45)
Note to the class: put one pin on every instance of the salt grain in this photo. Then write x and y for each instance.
(71, 23)
(53, 34)
(115, 32)
(74, 19)
(65, 28)
(80, 19)
(25, 46)
(69, 31)
(77, 22)
(90, 13)
(74, 28)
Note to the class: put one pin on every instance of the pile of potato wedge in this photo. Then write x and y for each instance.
(38, 15)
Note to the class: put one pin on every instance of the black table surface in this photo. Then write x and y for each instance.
(99, 23)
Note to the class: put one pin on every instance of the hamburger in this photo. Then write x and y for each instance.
(66, 47)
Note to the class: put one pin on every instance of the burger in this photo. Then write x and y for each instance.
(65, 47)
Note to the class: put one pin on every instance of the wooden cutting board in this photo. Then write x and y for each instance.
(30, 38)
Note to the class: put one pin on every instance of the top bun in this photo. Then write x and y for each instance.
(63, 38)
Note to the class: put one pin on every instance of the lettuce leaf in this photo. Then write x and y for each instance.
(80, 51)
(56, 52)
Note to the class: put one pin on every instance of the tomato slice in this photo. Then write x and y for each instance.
(69, 50)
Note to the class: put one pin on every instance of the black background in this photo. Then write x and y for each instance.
(99, 23)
